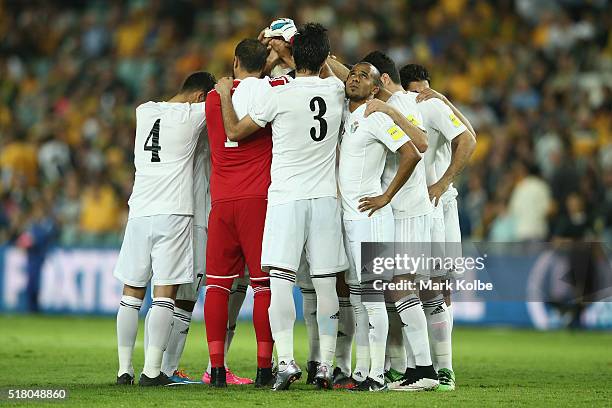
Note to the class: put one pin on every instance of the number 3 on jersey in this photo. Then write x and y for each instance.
(155, 147)
(322, 108)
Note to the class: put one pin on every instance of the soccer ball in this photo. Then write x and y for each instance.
(283, 27)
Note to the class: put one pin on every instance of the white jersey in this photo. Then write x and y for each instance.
(412, 199)
(201, 180)
(442, 127)
(166, 138)
(305, 116)
(363, 151)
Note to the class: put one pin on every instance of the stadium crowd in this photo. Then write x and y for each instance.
(533, 76)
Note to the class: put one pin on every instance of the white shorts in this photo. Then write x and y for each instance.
(302, 276)
(415, 235)
(157, 248)
(375, 229)
(452, 233)
(313, 226)
(191, 291)
(451, 222)
(438, 239)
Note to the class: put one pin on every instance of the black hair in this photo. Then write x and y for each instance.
(384, 64)
(413, 73)
(199, 81)
(252, 55)
(310, 47)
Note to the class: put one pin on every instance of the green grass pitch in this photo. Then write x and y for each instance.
(493, 366)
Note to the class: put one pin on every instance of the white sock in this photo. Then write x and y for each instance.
(176, 344)
(146, 331)
(410, 360)
(328, 313)
(160, 326)
(378, 329)
(415, 329)
(451, 317)
(309, 305)
(362, 341)
(346, 331)
(236, 299)
(282, 315)
(438, 328)
(127, 328)
(396, 352)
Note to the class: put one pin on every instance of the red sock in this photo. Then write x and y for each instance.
(261, 322)
(215, 316)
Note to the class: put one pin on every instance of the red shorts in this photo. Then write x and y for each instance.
(235, 232)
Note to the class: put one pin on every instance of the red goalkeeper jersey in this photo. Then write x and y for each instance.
(239, 169)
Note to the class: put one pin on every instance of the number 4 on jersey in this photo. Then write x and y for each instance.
(154, 148)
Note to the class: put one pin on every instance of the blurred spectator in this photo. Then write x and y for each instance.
(68, 211)
(99, 213)
(575, 223)
(530, 204)
(38, 236)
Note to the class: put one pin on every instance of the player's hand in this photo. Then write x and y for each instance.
(429, 93)
(261, 37)
(282, 48)
(224, 85)
(436, 190)
(373, 203)
(376, 105)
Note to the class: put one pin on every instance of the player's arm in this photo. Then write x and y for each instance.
(409, 157)
(383, 95)
(337, 68)
(463, 146)
(326, 71)
(417, 135)
(431, 93)
(235, 129)
(283, 50)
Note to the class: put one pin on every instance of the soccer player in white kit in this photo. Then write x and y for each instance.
(278, 37)
(452, 141)
(158, 241)
(412, 210)
(366, 214)
(187, 293)
(303, 209)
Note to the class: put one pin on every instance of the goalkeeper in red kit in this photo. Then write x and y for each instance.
(240, 177)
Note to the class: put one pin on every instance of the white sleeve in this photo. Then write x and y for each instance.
(265, 107)
(386, 131)
(198, 115)
(444, 120)
(335, 81)
(416, 119)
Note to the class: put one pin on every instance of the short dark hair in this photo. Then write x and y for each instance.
(199, 81)
(310, 47)
(252, 55)
(384, 64)
(413, 73)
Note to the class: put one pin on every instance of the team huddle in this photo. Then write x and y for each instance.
(275, 177)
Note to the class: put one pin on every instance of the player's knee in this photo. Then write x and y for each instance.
(186, 305)
(167, 291)
(342, 288)
(261, 287)
(219, 284)
(134, 291)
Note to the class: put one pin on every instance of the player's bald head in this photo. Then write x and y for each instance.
(373, 71)
(363, 81)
